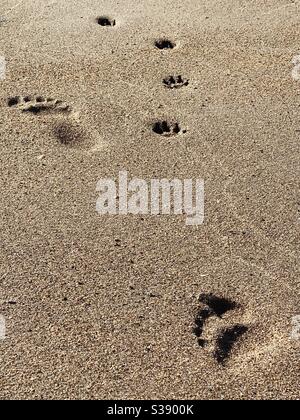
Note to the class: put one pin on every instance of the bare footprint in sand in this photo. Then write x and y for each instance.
(175, 82)
(72, 134)
(220, 336)
(67, 127)
(106, 21)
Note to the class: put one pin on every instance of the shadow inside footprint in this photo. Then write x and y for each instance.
(226, 340)
(38, 104)
(165, 44)
(68, 134)
(214, 306)
(34, 109)
(200, 320)
(12, 102)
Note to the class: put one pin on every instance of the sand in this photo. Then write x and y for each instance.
(106, 306)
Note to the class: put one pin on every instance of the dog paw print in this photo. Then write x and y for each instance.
(213, 332)
(106, 21)
(226, 340)
(38, 104)
(175, 82)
